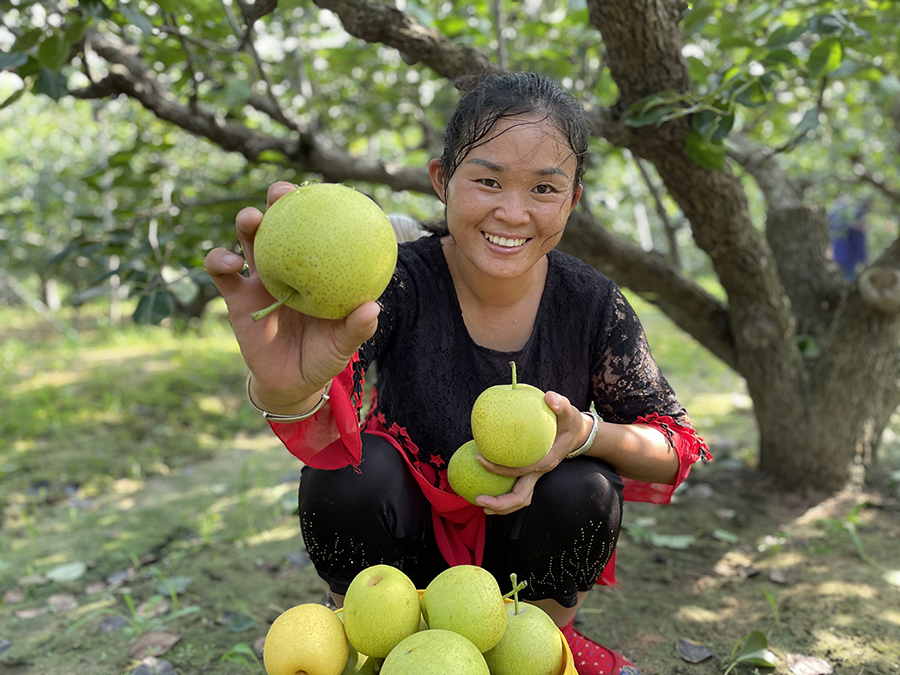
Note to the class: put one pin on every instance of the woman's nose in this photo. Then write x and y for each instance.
(513, 209)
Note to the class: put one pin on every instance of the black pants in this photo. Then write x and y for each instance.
(352, 519)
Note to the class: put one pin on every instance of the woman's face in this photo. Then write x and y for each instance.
(510, 198)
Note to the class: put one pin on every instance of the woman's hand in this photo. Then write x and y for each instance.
(292, 356)
(572, 428)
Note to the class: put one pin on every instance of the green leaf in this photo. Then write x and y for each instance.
(177, 585)
(12, 60)
(755, 651)
(673, 541)
(154, 307)
(16, 95)
(72, 571)
(726, 536)
(784, 35)
(706, 153)
(240, 623)
(136, 18)
(52, 83)
(27, 40)
(825, 57)
(53, 51)
(826, 24)
(75, 31)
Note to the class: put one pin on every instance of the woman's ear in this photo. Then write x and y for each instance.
(437, 178)
(576, 195)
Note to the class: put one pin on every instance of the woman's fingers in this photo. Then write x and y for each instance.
(224, 269)
(277, 190)
(246, 223)
(518, 498)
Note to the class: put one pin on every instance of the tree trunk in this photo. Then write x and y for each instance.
(821, 365)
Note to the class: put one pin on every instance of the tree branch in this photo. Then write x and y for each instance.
(377, 22)
(128, 75)
(653, 277)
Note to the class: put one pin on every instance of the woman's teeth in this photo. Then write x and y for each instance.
(503, 241)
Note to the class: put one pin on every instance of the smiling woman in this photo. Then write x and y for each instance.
(462, 304)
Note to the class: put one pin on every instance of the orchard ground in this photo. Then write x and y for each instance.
(148, 511)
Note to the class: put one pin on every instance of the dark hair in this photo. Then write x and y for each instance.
(508, 95)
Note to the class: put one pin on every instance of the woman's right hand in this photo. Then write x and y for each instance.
(292, 356)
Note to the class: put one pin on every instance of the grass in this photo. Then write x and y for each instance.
(140, 493)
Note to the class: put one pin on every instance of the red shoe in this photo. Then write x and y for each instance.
(592, 658)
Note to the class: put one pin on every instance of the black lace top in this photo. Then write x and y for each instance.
(587, 344)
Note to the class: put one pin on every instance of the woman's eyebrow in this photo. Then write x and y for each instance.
(552, 171)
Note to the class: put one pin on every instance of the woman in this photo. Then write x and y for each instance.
(462, 304)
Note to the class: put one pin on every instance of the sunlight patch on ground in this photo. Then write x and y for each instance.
(285, 532)
(846, 590)
(45, 379)
(890, 616)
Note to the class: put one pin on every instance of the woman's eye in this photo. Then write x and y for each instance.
(489, 182)
(545, 189)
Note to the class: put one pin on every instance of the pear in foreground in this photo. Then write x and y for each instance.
(469, 478)
(512, 423)
(308, 638)
(532, 644)
(466, 599)
(435, 651)
(324, 249)
(381, 608)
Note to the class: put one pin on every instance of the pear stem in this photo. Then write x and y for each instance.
(262, 313)
(514, 593)
(513, 365)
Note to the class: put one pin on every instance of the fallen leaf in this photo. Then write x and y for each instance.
(800, 664)
(782, 575)
(153, 607)
(33, 580)
(62, 602)
(153, 643)
(726, 536)
(31, 613)
(13, 596)
(94, 587)
(150, 665)
(692, 651)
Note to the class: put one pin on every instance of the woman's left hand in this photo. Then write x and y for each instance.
(572, 428)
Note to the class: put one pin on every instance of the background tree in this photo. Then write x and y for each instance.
(733, 124)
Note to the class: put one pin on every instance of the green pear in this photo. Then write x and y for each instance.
(469, 478)
(435, 651)
(324, 249)
(381, 608)
(531, 645)
(512, 423)
(467, 600)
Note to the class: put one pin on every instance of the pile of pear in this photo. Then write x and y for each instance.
(513, 426)
(460, 623)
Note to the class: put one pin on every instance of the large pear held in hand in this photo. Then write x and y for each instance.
(469, 478)
(324, 249)
(512, 423)
(466, 599)
(381, 608)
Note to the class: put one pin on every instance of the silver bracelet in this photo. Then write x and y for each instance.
(591, 436)
(276, 417)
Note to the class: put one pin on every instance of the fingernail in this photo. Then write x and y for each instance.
(231, 258)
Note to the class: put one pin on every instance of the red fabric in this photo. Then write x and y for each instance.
(330, 440)
(592, 658)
